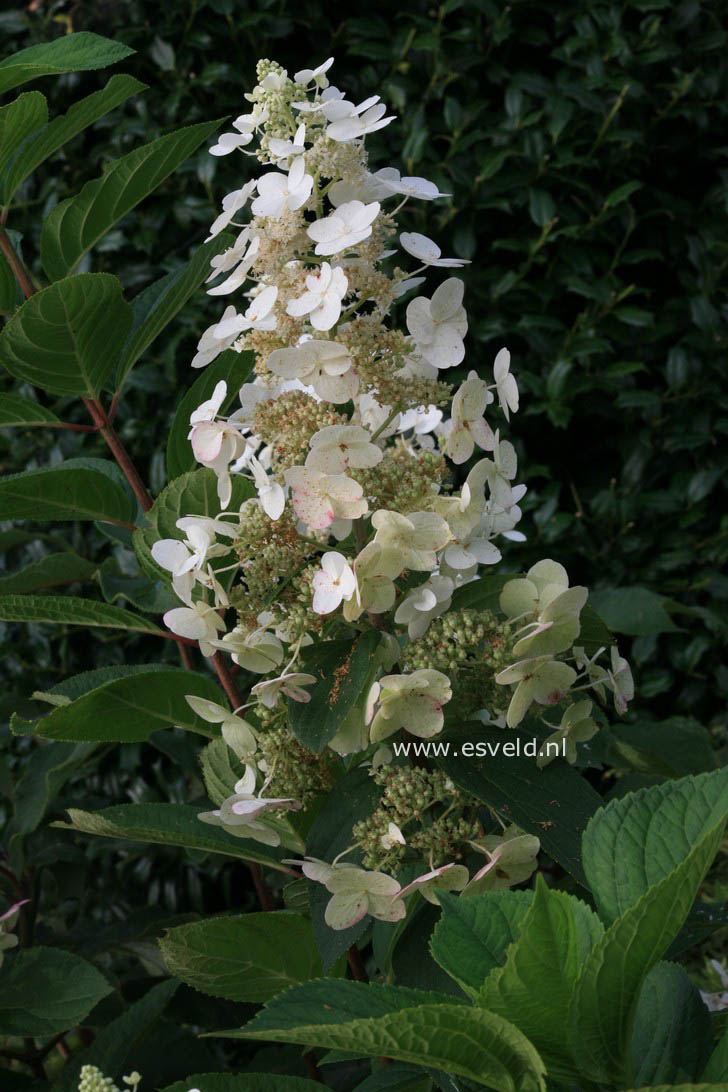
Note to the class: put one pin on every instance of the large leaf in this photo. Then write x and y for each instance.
(606, 995)
(248, 958)
(481, 594)
(635, 841)
(635, 611)
(45, 771)
(66, 338)
(672, 1033)
(18, 120)
(170, 825)
(77, 224)
(230, 367)
(342, 669)
(243, 1082)
(125, 710)
(544, 962)
(113, 1047)
(383, 1021)
(555, 803)
(17, 410)
(67, 610)
(46, 990)
(472, 935)
(668, 748)
(40, 145)
(85, 489)
(156, 306)
(717, 1067)
(49, 572)
(70, 53)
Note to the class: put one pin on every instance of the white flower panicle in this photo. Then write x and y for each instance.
(342, 512)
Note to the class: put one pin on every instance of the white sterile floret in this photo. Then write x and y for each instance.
(216, 339)
(428, 252)
(237, 733)
(323, 365)
(357, 893)
(472, 548)
(186, 559)
(448, 877)
(278, 193)
(375, 592)
(231, 204)
(322, 299)
(216, 444)
(318, 498)
(333, 583)
(8, 921)
(365, 118)
(422, 420)
(424, 603)
(547, 606)
(506, 386)
(411, 540)
(329, 94)
(541, 679)
(239, 814)
(501, 471)
(469, 427)
(199, 622)
(335, 448)
(620, 680)
(375, 416)
(389, 180)
(290, 684)
(511, 859)
(393, 837)
(314, 75)
(346, 226)
(283, 150)
(256, 650)
(438, 325)
(244, 260)
(413, 702)
(270, 494)
(576, 726)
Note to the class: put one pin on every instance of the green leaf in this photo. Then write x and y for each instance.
(83, 489)
(672, 1034)
(125, 710)
(50, 572)
(635, 841)
(167, 824)
(76, 224)
(17, 410)
(246, 958)
(635, 611)
(156, 306)
(342, 668)
(606, 995)
(472, 935)
(481, 594)
(717, 1067)
(243, 1082)
(66, 338)
(45, 771)
(71, 53)
(18, 120)
(230, 367)
(382, 1021)
(46, 990)
(669, 748)
(594, 633)
(40, 145)
(67, 610)
(139, 591)
(544, 962)
(395, 1078)
(112, 1049)
(555, 803)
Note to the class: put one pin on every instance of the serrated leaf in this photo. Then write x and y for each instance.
(230, 367)
(244, 1082)
(37, 147)
(130, 709)
(555, 803)
(19, 120)
(112, 1049)
(16, 410)
(76, 224)
(156, 306)
(544, 961)
(49, 572)
(342, 668)
(607, 992)
(66, 338)
(47, 990)
(472, 935)
(375, 1020)
(70, 611)
(637, 840)
(78, 489)
(71, 53)
(672, 1034)
(170, 825)
(637, 612)
(246, 958)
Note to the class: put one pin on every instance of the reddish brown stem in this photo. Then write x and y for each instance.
(119, 452)
(264, 893)
(226, 680)
(313, 1070)
(356, 966)
(186, 656)
(20, 273)
(71, 427)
